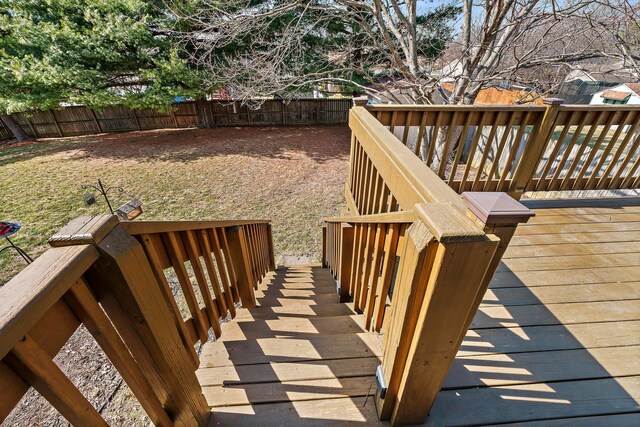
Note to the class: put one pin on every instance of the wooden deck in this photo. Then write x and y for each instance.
(555, 342)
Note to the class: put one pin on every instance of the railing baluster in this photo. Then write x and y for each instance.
(485, 154)
(555, 180)
(595, 173)
(458, 154)
(378, 251)
(155, 251)
(566, 182)
(593, 150)
(203, 241)
(421, 133)
(178, 258)
(212, 309)
(620, 150)
(38, 369)
(85, 306)
(488, 185)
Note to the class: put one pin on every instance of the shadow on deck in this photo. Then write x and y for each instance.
(300, 358)
(556, 340)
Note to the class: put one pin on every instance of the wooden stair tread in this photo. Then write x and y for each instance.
(266, 350)
(287, 371)
(298, 327)
(327, 412)
(289, 391)
(300, 356)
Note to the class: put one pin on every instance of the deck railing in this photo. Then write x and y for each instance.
(110, 276)
(414, 262)
(516, 149)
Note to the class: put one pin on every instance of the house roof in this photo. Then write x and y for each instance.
(634, 87)
(616, 95)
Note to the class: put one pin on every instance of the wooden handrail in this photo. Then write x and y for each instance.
(33, 291)
(408, 179)
(110, 276)
(382, 218)
(149, 227)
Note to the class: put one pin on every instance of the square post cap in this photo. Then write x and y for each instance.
(496, 207)
(360, 101)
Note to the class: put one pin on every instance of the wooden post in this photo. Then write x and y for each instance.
(497, 214)
(284, 113)
(33, 128)
(534, 149)
(360, 101)
(124, 284)
(443, 265)
(346, 253)
(95, 120)
(135, 116)
(272, 255)
(55, 122)
(324, 246)
(238, 252)
(172, 113)
(408, 295)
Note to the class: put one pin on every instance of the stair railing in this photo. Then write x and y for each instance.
(416, 262)
(112, 278)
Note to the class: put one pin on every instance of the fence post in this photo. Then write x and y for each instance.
(33, 128)
(239, 255)
(534, 149)
(55, 122)
(95, 120)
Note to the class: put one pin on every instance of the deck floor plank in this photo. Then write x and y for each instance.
(556, 341)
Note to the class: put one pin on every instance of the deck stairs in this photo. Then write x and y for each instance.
(300, 358)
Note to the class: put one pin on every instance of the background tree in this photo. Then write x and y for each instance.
(524, 42)
(90, 52)
(261, 48)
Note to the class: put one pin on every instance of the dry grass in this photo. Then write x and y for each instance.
(293, 176)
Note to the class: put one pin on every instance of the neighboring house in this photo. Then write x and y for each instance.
(628, 93)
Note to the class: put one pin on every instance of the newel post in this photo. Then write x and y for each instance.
(498, 214)
(125, 285)
(534, 149)
(443, 264)
(239, 254)
(360, 101)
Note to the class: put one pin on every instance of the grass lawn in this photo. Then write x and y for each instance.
(291, 175)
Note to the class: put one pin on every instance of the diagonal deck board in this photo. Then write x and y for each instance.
(556, 340)
(535, 401)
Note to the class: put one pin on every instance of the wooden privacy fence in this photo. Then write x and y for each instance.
(413, 260)
(5, 133)
(111, 277)
(78, 120)
(516, 149)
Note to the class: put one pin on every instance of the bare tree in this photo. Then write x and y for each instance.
(620, 21)
(510, 40)
(387, 48)
(285, 47)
